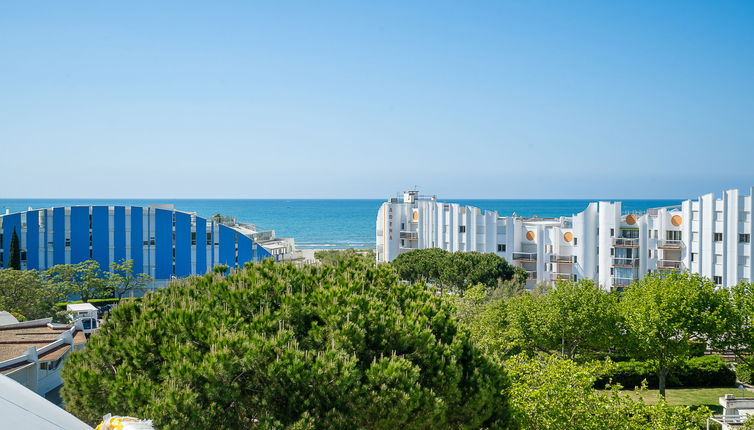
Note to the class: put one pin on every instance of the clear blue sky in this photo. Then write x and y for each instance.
(500, 99)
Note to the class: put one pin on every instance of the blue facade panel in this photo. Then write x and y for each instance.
(245, 253)
(201, 246)
(32, 240)
(10, 223)
(137, 239)
(227, 246)
(101, 236)
(58, 236)
(262, 253)
(182, 245)
(119, 234)
(79, 234)
(163, 234)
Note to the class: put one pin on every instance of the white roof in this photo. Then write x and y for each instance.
(21, 408)
(79, 307)
(7, 318)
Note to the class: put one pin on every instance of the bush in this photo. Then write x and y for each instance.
(273, 346)
(744, 373)
(705, 371)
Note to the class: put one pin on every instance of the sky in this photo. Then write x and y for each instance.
(328, 99)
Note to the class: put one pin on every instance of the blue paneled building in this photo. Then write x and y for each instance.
(162, 242)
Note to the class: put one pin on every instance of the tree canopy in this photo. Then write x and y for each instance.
(665, 315)
(275, 346)
(83, 279)
(27, 295)
(121, 279)
(457, 270)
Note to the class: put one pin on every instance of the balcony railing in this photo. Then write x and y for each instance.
(623, 281)
(561, 258)
(410, 235)
(622, 242)
(670, 244)
(562, 276)
(525, 256)
(625, 262)
(669, 265)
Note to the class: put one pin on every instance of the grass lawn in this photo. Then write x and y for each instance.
(693, 396)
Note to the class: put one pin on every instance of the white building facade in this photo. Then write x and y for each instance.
(710, 236)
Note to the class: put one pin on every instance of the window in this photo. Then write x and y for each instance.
(193, 238)
(500, 247)
(693, 257)
(744, 238)
(575, 241)
(403, 226)
(612, 232)
(612, 251)
(574, 260)
(209, 238)
(673, 235)
(717, 237)
(402, 243)
(718, 280)
(462, 229)
(67, 242)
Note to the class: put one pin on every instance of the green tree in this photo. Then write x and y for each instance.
(736, 333)
(83, 279)
(336, 256)
(275, 346)
(122, 279)
(485, 318)
(578, 320)
(28, 295)
(14, 259)
(421, 265)
(554, 393)
(666, 315)
(455, 271)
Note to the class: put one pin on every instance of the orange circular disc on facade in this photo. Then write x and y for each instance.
(529, 235)
(568, 236)
(630, 220)
(676, 220)
(416, 215)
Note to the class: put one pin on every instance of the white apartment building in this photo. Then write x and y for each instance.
(710, 236)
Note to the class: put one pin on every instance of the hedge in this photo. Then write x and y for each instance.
(705, 371)
(744, 373)
(97, 302)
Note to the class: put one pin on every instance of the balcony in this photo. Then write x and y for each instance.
(562, 276)
(525, 256)
(623, 282)
(531, 275)
(629, 262)
(623, 242)
(563, 259)
(669, 244)
(669, 265)
(409, 235)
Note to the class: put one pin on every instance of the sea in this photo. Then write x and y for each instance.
(326, 224)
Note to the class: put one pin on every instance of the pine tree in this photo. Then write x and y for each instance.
(14, 260)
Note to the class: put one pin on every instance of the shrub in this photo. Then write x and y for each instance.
(744, 373)
(705, 371)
